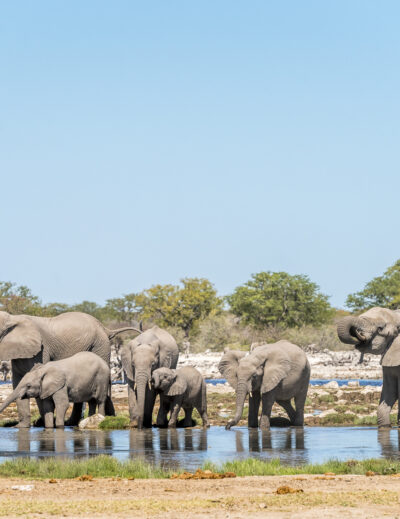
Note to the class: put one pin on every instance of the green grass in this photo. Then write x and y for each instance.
(107, 466)
(97, 466)
(120, 421)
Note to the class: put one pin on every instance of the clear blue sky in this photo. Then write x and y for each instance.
(141, 142)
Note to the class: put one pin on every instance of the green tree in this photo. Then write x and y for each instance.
(380, 291)
(277, 298)
(18, 299)
(181, 306)
(88, 307)
(122, 309)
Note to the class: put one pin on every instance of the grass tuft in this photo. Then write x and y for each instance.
(115, 422)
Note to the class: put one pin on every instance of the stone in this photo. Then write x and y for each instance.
(353, 383)
(91, 422)
(331, 385)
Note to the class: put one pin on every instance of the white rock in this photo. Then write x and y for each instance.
(23, 488)
(92, 422)
(331, 385)
(326, 413)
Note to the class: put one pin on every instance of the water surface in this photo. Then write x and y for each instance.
(190, 448)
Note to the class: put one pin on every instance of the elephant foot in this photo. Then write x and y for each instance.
(135, 423)
(385, 426)
(229, 425)
(264, 424)
(60, 426)
(23, 425)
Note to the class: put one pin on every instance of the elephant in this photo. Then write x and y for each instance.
(26, 340)
(5, 368)
(152, 349)
(269, 373)
(377, 331)
(178, 388)
(84, 377)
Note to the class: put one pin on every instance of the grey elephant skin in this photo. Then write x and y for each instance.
(27, 340)
(270, 373)
(377, 331)
(84, 377)
(180, 388)
(154, 348)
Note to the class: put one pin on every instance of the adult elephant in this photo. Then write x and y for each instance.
(26, 340)
(154, 348)
(377, 331)
(270, 373)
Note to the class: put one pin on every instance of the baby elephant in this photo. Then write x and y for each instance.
(178, 388)
(84, 377)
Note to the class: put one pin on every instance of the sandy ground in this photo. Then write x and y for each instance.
(237, 498)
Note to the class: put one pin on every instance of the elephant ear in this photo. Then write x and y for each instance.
(19, 338)
(228, 365)
(126, 359)
(52, 381)
(178, 387)
(276, 368)
(392, 355)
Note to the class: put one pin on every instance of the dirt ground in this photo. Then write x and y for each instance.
(236, 498)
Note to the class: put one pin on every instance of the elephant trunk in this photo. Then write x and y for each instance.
(347, 329)
(17, 393)
(156, 380)
(142, 379)
(241, 393)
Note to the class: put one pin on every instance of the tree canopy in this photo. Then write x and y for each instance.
(278, 298)
(380, 291)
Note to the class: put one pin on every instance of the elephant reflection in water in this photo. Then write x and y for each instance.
(59, 442)
(260, 440)
(389, 441)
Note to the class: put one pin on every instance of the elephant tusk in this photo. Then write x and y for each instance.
(251, 394)
(149, 385)
(134, 387)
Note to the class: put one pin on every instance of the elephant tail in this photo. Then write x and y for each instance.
(113, 333)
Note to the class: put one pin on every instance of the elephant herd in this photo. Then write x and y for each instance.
(66, 359)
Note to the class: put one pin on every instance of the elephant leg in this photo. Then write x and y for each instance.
(61, 402)
(187, 421)
(92, 407)
(48, 409)
(101, 408)
(287, 406)
(148, 408)
(300, 402)
(162, 416)
(204, 416)
(40, 421)
(176, 407)
(388, 398)
(76, 415)
(254, 407)
(109, 407)
(267, 400)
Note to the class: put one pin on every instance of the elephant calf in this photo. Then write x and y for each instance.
(84, 377)
(178, 388)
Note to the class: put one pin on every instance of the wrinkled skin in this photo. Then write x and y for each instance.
(377, 331)
(152, 349)
(179, 388)
(26, 340)
(270, 373)
(84, 377)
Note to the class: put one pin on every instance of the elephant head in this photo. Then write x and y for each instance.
(19, 337)
(41, 382)
(375, 331)
(261, 370)
(167, 381)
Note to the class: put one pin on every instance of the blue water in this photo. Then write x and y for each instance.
(316, 382)
(190, 448)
